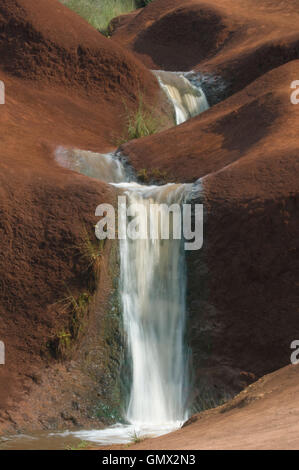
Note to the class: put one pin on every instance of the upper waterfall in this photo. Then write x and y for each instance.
(187, 99)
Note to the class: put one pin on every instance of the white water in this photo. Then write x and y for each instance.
(104, 167)
(153, 301)
(152, 289)
(187, 99)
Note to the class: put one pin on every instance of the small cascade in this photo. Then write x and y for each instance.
(105, 167)
(187, 99)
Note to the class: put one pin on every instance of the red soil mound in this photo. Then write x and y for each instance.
(65, 84)
(239, 40)
(264, 416)
(50, 42)
(244, 315)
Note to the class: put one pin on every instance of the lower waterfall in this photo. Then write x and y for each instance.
(152, 291)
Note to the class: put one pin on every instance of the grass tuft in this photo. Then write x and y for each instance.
(80, 446)
(140, 123)
(91, 253)
(136, 438)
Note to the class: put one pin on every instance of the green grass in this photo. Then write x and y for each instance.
(140, 123)
(135, 438)
(99, 13)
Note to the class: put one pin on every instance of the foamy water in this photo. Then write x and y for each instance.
(187, 99)
(152, 291)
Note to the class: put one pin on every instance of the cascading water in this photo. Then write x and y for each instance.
(101, 166)
(153, 300)
(152, 290)
(187, 99)
(152, 287)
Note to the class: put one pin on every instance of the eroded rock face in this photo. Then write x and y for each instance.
(242, 294)
(64, 86)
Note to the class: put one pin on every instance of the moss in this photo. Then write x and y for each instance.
(104, 362)
(114, 356)
(106, 413)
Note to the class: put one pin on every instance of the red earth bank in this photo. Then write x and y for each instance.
(65, 83)
(262, 417)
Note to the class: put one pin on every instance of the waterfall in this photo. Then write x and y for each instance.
(152, 286)
(152, 291)
(153, 300)
(188, 100)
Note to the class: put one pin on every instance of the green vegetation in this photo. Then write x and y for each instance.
(208, 400)
(143, 3)
(140, 123)
(61, 343)
(108, 413)
(80, 446)
(99, 13)
(76, 306)
(135, 438)
(79, 308)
